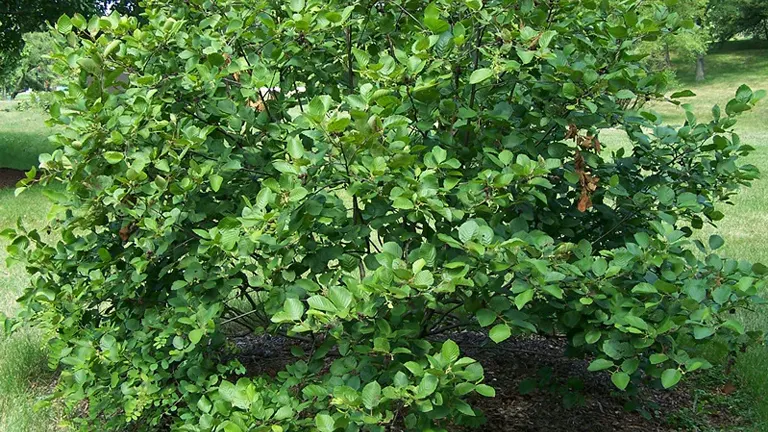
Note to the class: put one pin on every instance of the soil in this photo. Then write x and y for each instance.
(9, 177)
(598, 406)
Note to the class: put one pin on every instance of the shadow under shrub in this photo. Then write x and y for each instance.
(362, 179)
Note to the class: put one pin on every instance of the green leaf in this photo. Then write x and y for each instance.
(297, 5)
(744, 94)
(402, 203)
(600, 364)
(592, 336)
(546, 38)
(670, 377)
(625, 94)
(195, 336)
(321, 303)
(658, 358)
(325, 423)
(722, 294)
(570, 91)
(700, 332)
(216, 181)
(524, 298)
(480, 75)
(500, 333)
(371, 395)
(423, 278)
(113, 157)
(620, 380)
(414, 368)
(112, 47)
(485, 390)
(734, 326)
(716, 242)
(64, 24)
(644, 288)
(467, 231)
(427, 386)
(525, 56)
(341, 297)
(475, 5)
(485, 317)
(294, 308)
(682, 94)
(450, 351)
(295, 147)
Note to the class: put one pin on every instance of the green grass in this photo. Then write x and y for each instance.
(24, 375)
(745, 226)
(23, 136)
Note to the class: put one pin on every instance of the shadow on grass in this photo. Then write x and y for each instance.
(20, 150)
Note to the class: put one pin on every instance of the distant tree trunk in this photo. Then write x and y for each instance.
(667, 56)
(700, 68)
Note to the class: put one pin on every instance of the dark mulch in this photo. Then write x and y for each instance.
(507, 365)
(9, 177)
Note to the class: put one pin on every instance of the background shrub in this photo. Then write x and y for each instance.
(364, 179)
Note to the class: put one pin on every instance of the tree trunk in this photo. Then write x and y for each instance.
(700, 68)
(667, 56)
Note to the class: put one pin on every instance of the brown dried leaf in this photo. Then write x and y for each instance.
(585, 202)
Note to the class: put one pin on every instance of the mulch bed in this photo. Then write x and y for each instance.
(601, 407)
(9, 177)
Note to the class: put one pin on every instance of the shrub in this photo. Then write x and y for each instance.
(365, 179)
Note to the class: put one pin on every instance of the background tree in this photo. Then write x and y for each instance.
(729, 18)
(689, 43)
(19, 17)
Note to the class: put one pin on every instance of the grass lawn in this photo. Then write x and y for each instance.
(23, 136)
(24, 376)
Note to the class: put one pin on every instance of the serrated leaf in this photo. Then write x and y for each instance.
(294, 309)
(371, 395)
(450, 351)
(340, 297)
(325, 423)
(468, 230)
(321, 303)
(64, 24)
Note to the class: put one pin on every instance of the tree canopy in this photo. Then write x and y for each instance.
(728, 18)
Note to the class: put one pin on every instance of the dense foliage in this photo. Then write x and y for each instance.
(729, 18)
(364, 178)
